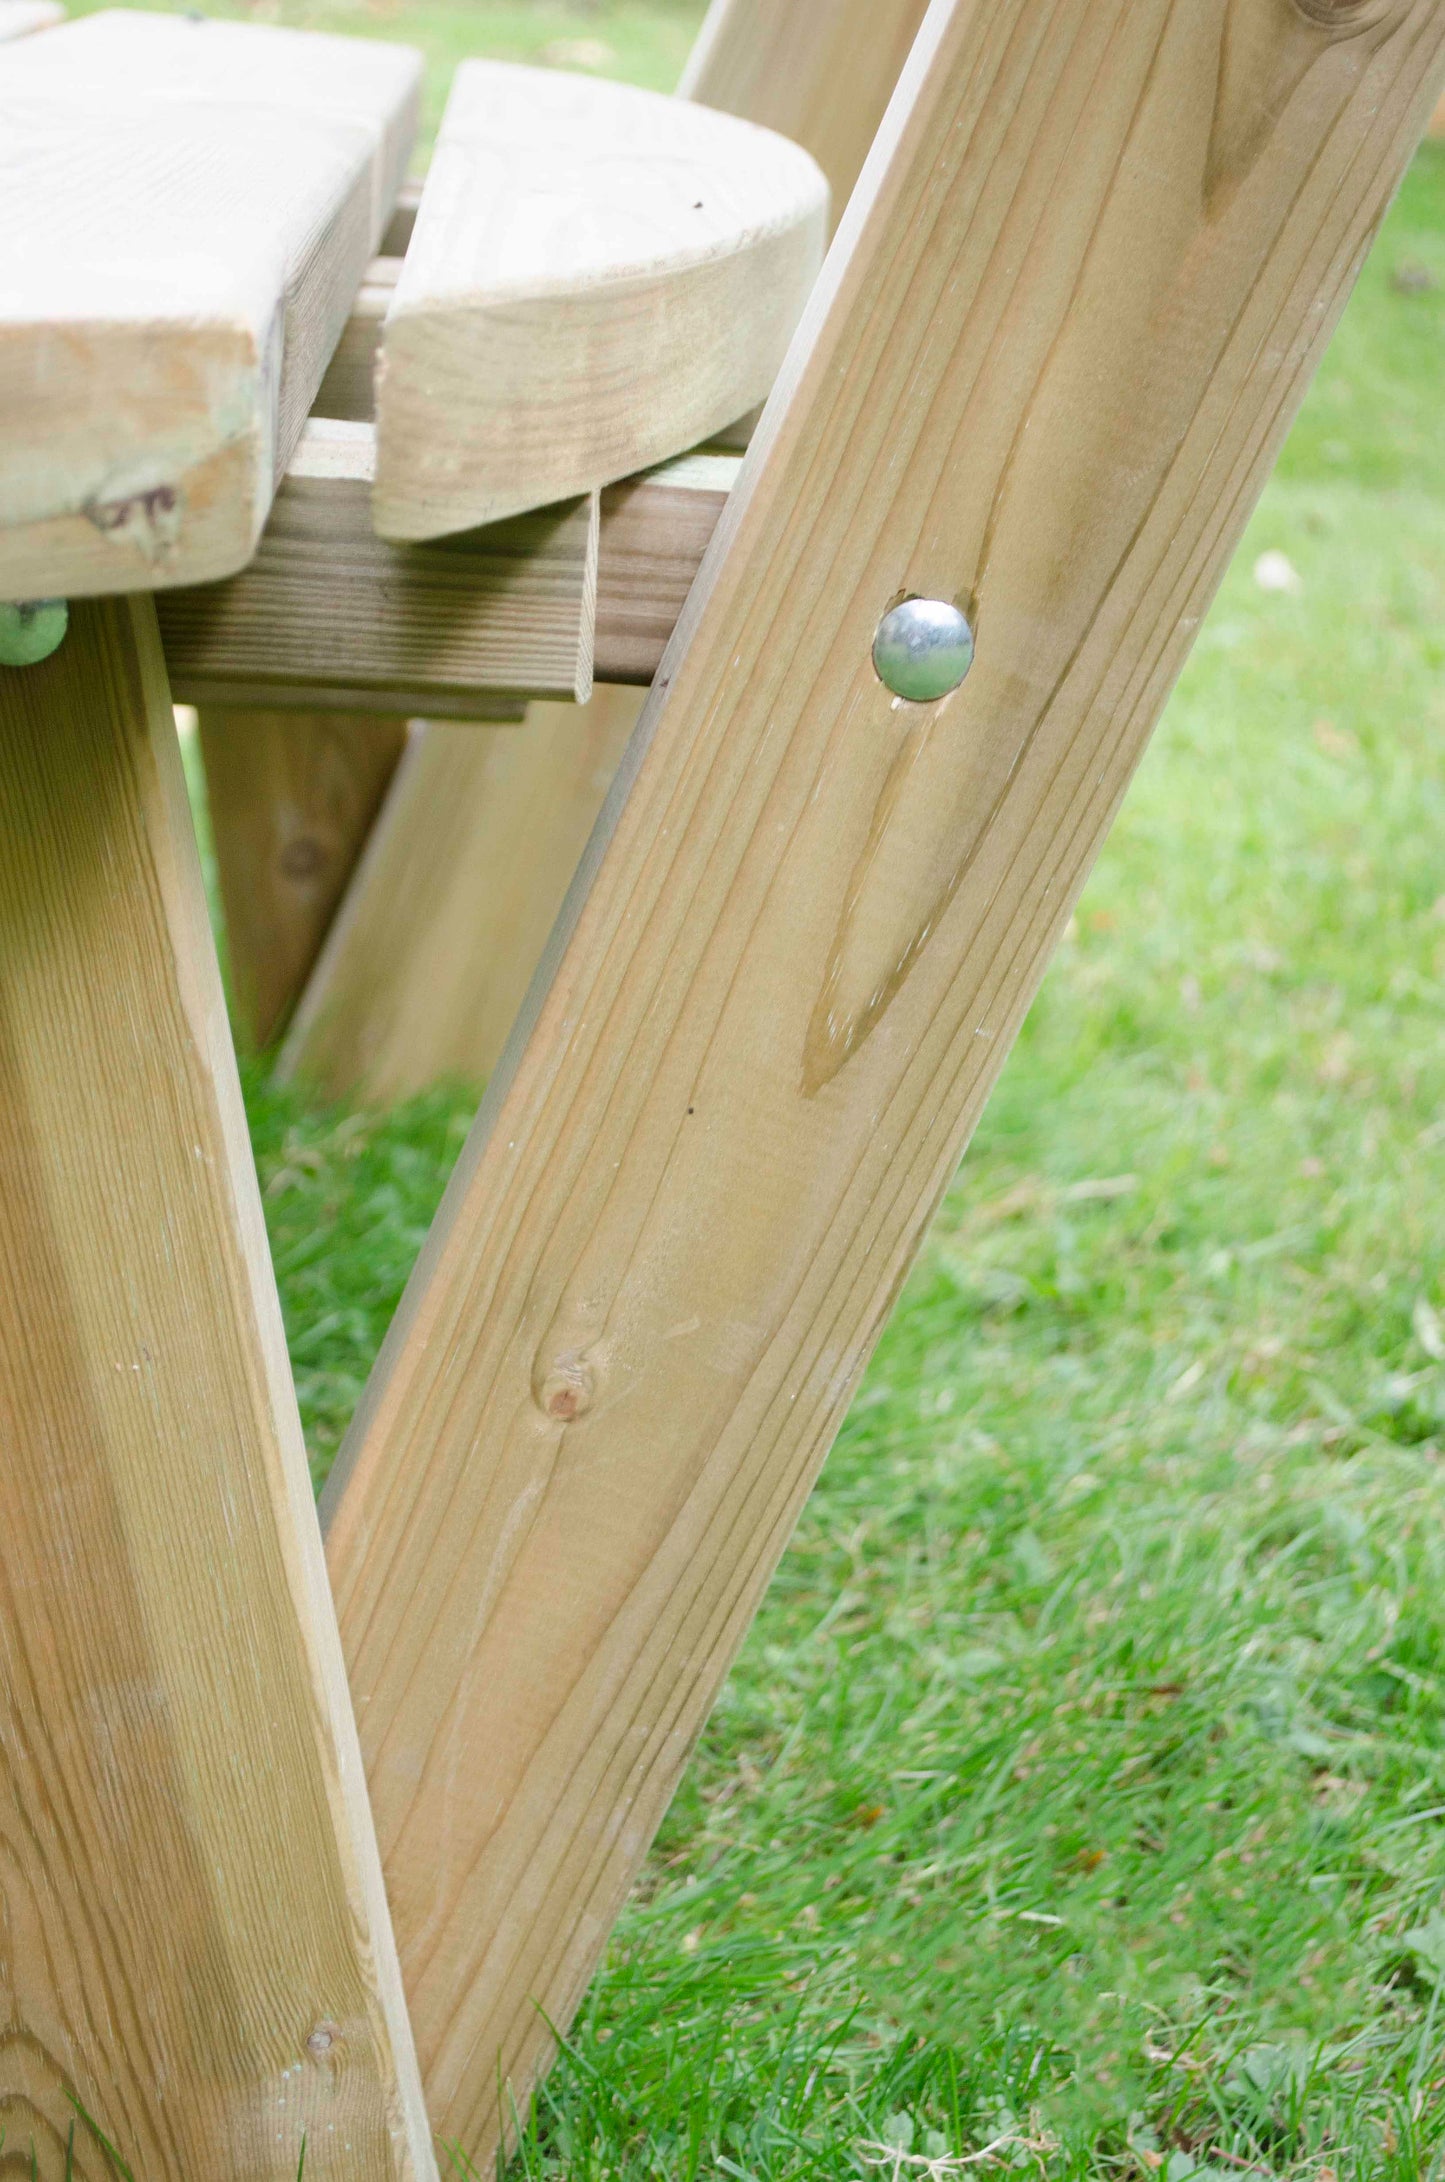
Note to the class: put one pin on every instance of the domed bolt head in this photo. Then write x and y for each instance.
(31, 630)
(923, 649)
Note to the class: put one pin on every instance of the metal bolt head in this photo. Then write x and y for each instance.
(31, 630)
(923, 649)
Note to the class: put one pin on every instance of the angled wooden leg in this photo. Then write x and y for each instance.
(430, 959)
(819, 71)
(443, 925)
(1045, 375)
(292, 796)
(194, 1943)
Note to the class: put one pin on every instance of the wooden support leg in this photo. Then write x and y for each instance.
(1046, 374)
(194, 1943)
(431, 957)
(419, 985)
(819, 71)
(292, 796)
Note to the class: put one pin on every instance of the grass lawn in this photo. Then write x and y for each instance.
(645, 41)
(1081, 1790)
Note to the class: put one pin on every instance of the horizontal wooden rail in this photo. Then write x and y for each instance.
(329, 616)
(655, 531)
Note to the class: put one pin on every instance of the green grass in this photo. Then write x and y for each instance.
(1081, 1788)
(645, 41)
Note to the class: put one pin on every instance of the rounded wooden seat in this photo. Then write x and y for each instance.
(191, 206)
(598, 278)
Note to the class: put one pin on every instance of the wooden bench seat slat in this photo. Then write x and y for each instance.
(189, 207)
(598, 278)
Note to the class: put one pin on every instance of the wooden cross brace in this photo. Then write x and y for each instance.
(1071, 309)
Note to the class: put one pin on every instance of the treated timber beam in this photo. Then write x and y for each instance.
(396, 236)
(291, 797)
(819, 71)
(190, 208)
(598, 278)
(349, 387)
(431, 954)
(432, 950)
(292, 794)
(330, 615)
(194, 1942)
(1063, 330)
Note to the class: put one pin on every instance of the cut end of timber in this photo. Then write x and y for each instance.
(191, 208)
(599, 278)
(112, 481)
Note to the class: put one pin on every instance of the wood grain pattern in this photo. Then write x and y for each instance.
(655, 531)
(446, 917)
(330, 615)
(820, 71)
(193, 1936)
(1066, 322)
(431, 956)
(190, 206)
(291, 797)
(392, 704)
(349, 389)
(327, 606)
(598, 278)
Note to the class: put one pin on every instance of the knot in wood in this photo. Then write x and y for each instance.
(302, 858)
(565, 1389)
(1344, 15)
(321, 2040)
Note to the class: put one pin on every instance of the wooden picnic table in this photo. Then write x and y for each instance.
(313, 1843)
